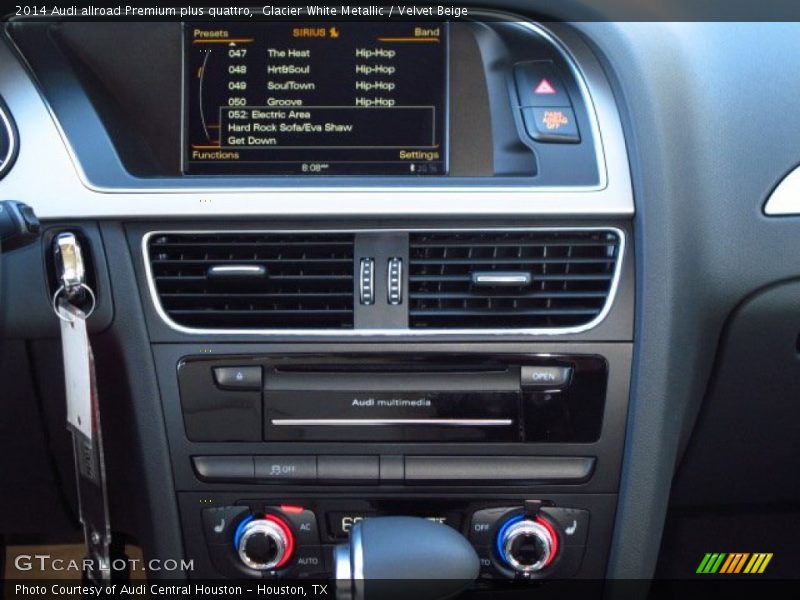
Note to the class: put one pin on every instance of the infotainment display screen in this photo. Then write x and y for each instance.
(345, 98)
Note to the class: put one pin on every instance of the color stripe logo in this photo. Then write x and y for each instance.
(734, 563)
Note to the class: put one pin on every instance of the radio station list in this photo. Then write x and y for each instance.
(345, 98)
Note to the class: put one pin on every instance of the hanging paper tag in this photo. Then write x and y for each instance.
(77, 368)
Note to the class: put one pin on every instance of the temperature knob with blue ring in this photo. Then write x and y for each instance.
(264, 543)
(527, 544)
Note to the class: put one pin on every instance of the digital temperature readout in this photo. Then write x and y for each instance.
(321, 99)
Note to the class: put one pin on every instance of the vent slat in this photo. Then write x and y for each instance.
(507, 295)
(467, 279)
(513, 261)
(505, 313)
(266, 296)
(553, 244)
(308, 282)
(239, 313)
(247, 261)
(571, 273)
(254, 244)
(284, 278)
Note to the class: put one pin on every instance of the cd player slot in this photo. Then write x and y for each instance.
(517, 399)
(384, 368)
(452, 380)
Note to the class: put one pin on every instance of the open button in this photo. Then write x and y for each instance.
(544, 377)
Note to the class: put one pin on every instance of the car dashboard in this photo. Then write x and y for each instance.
(474, 270)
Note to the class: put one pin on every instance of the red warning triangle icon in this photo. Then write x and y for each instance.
(544, 87)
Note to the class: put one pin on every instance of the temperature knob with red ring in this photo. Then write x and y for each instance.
(264, 543)
(527, 544)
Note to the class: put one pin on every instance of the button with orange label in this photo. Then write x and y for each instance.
(551, 124)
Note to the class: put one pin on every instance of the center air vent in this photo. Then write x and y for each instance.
(254, 280)
(511, 279)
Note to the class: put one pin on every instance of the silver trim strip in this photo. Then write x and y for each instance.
(390, 422)
(383, 332)
(6, 161)
(67, 193)
(785, 198)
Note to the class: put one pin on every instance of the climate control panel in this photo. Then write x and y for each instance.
(521, 540)
(265, 541)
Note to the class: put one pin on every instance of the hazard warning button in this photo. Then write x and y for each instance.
(544, 88)
(539, 85)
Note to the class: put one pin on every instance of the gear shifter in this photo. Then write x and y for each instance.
(389, 557)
